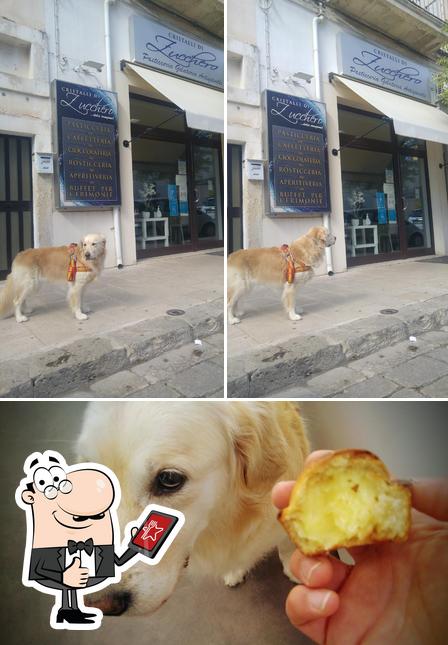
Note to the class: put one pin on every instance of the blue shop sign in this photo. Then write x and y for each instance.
(176, 52)
(87, 131)
(298, 159)
(370, 63)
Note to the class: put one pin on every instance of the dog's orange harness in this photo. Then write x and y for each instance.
(293, 266)
(75, 265)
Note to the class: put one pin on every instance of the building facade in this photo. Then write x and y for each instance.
(333, 119)
(111, 121)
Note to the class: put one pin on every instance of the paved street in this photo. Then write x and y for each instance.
(365, 312)
(178, 373)
(129, 326)
(326, 302)
(404, 370)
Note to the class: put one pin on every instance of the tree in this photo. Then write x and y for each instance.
(442, 77)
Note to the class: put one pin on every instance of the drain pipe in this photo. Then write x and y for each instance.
(110, 86)
(316, 62)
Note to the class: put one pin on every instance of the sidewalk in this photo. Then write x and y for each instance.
(341, 322)
(128, 324)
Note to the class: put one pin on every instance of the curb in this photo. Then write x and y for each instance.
(260, 372)
(58, 370)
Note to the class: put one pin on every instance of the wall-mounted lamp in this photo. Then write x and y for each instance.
(303, 76)
(94, 64)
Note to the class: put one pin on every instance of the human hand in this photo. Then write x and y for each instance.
(394, 593)
(75, 575)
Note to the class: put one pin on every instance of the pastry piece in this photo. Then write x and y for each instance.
(346, 499)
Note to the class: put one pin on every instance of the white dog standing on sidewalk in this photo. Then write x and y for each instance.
(77, 264)
(287, 266)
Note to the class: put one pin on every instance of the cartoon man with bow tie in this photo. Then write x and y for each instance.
(72, 532)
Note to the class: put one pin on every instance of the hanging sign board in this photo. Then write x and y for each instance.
(298, 161)
(365, 61)
(87, 133)
(176, 52)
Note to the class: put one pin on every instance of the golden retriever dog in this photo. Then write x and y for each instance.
(269, 266)
(33, 265)
(214, 461)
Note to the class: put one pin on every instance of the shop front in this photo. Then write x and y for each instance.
(176, 125)
(387, 207)
(177, 179)
(387, 121)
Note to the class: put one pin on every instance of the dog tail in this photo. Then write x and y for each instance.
(7, 296)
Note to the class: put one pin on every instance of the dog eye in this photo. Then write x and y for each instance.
(168, 481)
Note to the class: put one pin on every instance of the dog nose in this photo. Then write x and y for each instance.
(112, 604)
(87, 255)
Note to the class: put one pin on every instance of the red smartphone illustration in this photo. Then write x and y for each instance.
(153, 533)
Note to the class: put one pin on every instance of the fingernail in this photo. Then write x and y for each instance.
(319, 599)
(307, 568)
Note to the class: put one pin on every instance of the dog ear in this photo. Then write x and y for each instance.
(266, 434)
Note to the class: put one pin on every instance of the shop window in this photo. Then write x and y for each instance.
(369, 127)
(370, 214)
(207, 192)
(415, 202)
(408, 144)
(157, 115)
(160, 194)
(385, 189)
(177, 180)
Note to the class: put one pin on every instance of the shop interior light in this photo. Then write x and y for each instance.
(384, 120)
(127, 142)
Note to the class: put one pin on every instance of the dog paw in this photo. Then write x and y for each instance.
(21, 318)
(294, 316)
(233, 320)
(81, 316)
(235, 578)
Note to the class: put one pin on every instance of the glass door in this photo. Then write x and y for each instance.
(207, 193)
(415, 202)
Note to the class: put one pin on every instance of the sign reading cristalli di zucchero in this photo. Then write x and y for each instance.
(377, 65)
(176, 52)
(87, 133)
(298, 161)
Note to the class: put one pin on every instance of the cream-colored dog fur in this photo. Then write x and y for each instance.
(266, 266)
(231, 454)
(33, 265)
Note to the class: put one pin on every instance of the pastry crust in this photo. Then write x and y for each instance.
(346, 499)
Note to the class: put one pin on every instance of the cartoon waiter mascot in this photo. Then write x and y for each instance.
(73, 534)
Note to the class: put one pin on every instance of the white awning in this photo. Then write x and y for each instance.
(203, 107)
(411, 118)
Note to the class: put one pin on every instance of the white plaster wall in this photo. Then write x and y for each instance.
(439, 203)
(63, 35)
(290, 51)
(76, 34)
(25, 97)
